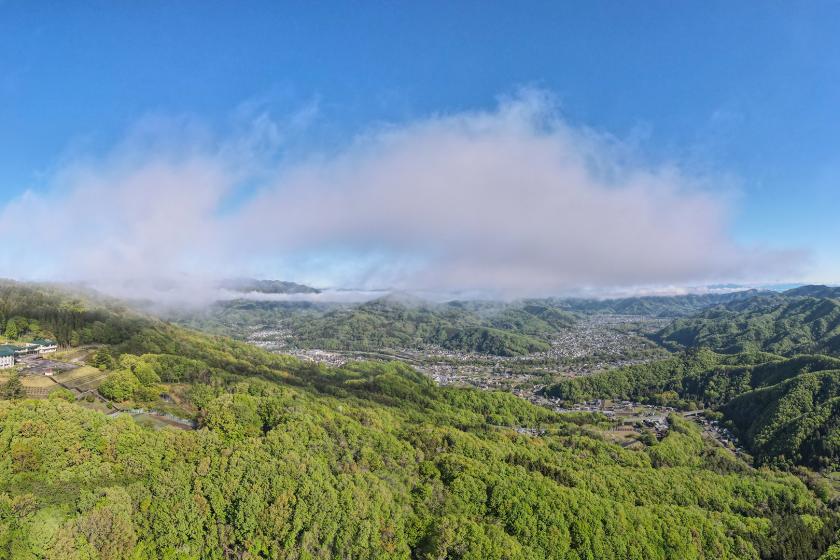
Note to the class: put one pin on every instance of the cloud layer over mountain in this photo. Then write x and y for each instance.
(513, 201)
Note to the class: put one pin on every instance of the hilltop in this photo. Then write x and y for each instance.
(814, 290)
(252, 285)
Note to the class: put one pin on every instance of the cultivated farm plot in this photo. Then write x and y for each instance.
(82, 379)
(39, 381)
(35, 387)
(39, 392)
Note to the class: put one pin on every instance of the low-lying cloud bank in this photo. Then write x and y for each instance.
(513, 201)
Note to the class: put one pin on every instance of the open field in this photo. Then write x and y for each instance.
(82, 379)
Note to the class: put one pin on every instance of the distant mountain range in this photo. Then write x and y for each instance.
(802, 319)
(814, 290)
(504, 329)
(658, 306)
(249, 285)
(400, 320)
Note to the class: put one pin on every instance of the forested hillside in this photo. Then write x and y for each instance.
(700, 377)
(796, 421)
(784, 409)
(783, 324)
(814, 290)
(370, 460)
(391, 323)
(69, 318)
(658, 306)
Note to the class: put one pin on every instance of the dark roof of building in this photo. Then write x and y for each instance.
(8, 350)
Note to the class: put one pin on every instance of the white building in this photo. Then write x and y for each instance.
(46, 346)
(7, 357)
(10, 352)
(37, 346)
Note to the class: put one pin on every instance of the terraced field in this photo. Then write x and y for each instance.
(85, 378)
(37, 387)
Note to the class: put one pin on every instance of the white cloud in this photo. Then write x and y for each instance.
(512, 201)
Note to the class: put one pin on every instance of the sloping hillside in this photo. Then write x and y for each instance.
(785, 410)
(292, 460)
(796, 421)
(658, 306)
(780, 324)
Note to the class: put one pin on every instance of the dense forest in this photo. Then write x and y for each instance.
(794, 322)
(70, 318)
(370, 460)
(796, 421)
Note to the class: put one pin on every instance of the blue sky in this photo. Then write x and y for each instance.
(746, 93)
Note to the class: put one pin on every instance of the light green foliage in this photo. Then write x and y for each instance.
(11, 331)
(135, 380)
(119, 386)
(63, 394)
(682, 447)
(142, 370)
(370, 460)
(833, 552)
(347, 484)
(374, 461)
(176, 369)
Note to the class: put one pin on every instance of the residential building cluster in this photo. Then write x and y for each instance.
(10, 353)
